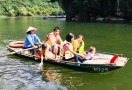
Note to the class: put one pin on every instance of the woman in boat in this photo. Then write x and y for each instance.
(78, 45)
(67, 49)
(53, 41)
(31, 37)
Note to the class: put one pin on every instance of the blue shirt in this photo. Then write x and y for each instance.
(30, 39)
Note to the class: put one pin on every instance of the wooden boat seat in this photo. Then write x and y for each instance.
(121, 61)
(118, 61)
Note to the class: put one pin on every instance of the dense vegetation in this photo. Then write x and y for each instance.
(90, 9)
(74, 9)
(29, 8)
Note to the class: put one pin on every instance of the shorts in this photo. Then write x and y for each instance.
(52, 48)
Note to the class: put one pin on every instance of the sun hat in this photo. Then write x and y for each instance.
(31, 28)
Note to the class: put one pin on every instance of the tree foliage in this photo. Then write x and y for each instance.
(86, 9)
(29, 8)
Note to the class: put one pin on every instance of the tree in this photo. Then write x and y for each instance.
(85, 9)
(28, 7)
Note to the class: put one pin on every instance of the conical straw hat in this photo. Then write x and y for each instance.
(31, 28)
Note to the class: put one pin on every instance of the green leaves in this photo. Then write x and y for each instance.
(28, 8)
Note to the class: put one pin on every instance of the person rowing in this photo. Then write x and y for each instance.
(30, 39)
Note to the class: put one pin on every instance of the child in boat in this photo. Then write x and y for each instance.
(40, 53)
(90, 54)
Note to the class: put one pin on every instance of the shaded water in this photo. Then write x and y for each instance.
(23, 74)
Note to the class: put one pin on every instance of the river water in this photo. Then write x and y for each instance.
(22, 74)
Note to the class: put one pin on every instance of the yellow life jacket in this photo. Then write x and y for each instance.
(66, 53)
(80, 47)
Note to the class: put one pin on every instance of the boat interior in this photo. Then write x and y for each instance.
(102, 58)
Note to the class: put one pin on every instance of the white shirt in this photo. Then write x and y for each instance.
(89, 56)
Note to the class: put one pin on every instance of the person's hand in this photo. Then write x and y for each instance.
(35, 46)
(58, 45)
(41, 64)
(82, 55)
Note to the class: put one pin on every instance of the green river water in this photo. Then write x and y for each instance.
(23, 74)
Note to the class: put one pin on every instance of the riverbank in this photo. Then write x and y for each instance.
(75, 19)
(58, 16)
(109, 19)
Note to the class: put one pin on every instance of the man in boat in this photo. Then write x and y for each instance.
(31, 37)
(53, 41)
(78, 45)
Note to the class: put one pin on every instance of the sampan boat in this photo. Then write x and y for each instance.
(107, 62)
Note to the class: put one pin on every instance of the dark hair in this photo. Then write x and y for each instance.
(28, 32)
(56, 28)
(91, 49)
(44, 46)
(80, 36)
(69, 36)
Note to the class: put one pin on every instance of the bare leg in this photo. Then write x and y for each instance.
(55, 51)
(49, 54)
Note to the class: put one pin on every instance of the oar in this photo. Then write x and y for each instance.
(20, 51)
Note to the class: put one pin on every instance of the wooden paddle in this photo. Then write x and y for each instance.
(20, 51)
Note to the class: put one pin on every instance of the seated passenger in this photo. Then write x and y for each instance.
(90, 54)
(67, 49)
(53, 41)
(78, 45)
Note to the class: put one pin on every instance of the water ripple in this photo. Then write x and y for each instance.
(18, 74)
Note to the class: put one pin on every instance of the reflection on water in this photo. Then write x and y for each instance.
(50, 75)
(17, 73)
(73, 81)
(68, 79)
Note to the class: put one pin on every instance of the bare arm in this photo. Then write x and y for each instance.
(40, 42)
(74, 52)
(41, 63)
(34, 46)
